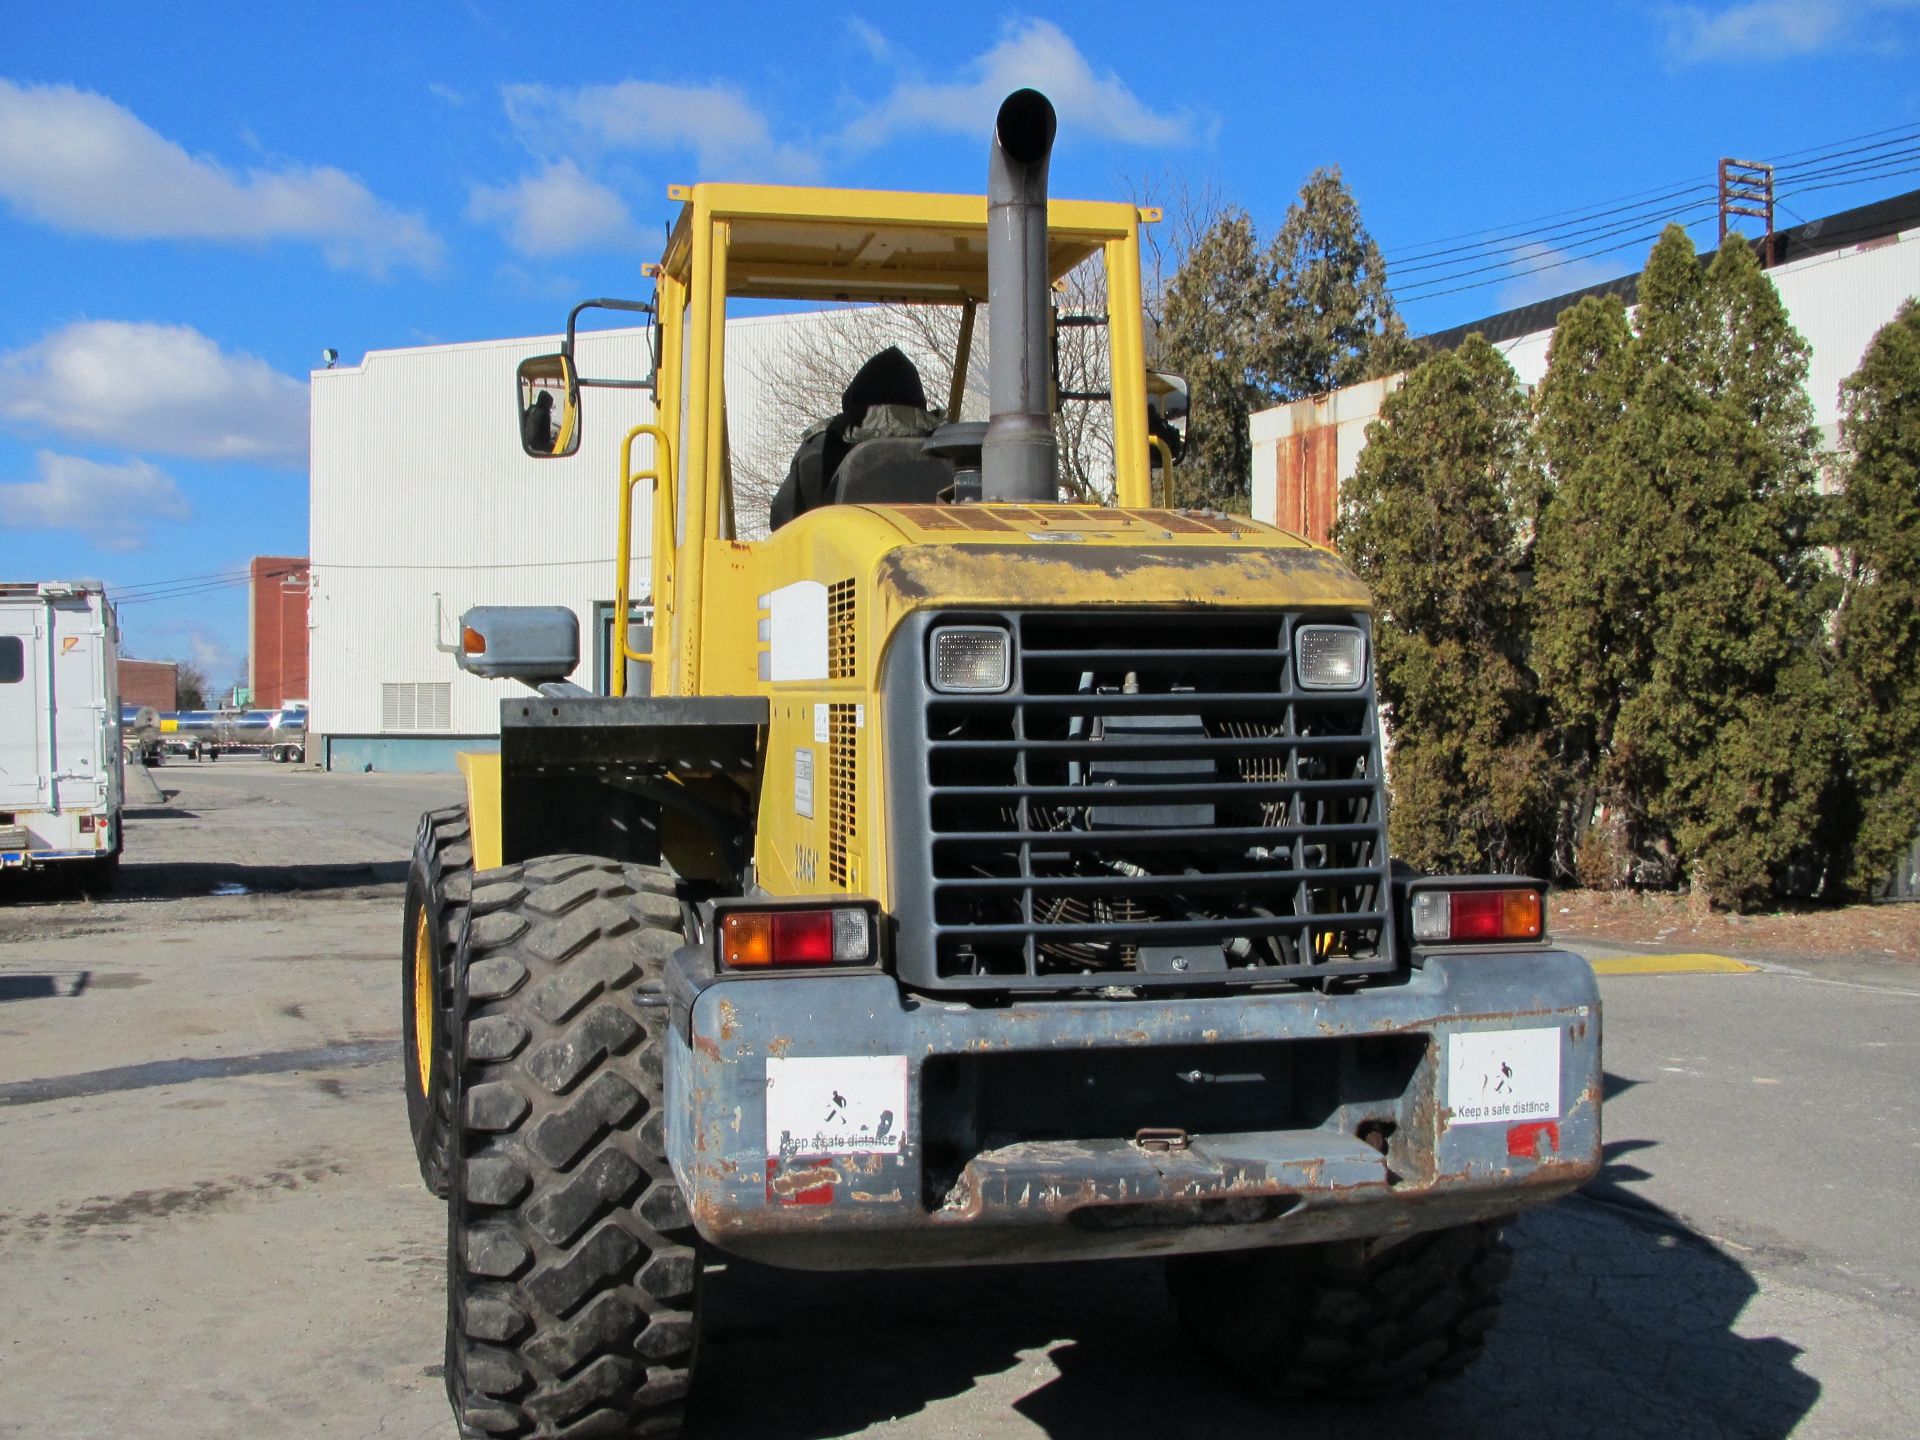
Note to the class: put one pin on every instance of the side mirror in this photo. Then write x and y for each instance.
(1167, 402)
(1167, 405)
(532, 643)
(548, 391)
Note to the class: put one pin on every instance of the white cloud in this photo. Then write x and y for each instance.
(112, 505)
(158, 388)
(555, 212)
(727, 136)
(1773, 29)
(1030, 52)
(1543, 273)
(83, 164)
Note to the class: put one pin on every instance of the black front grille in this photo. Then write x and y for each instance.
(1154, 802)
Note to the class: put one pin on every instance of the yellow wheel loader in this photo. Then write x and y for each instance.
(975, 878)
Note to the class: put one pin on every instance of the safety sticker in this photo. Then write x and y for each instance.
(803, 783)
(836, 1105)
(1503, 1076)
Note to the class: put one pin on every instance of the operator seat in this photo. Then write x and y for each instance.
(871, 452)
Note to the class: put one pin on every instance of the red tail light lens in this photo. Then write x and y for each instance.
(763, 939)
(803, 937)
(1455, 916)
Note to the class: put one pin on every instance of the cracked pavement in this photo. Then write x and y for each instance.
(202, 1237)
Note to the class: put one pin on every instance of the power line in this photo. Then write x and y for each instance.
(1661, 202)
(1910, 134)
(1854, 180)
(1853, 140)
(1652, 210)
(1510, 268)
(1578, 211)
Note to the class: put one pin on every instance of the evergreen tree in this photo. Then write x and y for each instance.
(1592, 641)
(1725, 748)
(1211, 331)
(1252, 328)
(1876, 634)
(1332, 319)
(1437, 519)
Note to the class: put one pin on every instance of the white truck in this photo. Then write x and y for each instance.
(61, 782)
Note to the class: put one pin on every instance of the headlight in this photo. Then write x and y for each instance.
(1330, 657)
(970, 659)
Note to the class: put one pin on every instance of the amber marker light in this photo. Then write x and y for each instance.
(746, 939)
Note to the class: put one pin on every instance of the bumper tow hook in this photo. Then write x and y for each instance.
(1158, 1139)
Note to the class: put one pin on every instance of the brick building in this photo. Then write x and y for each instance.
(150, 682)
(277, 630)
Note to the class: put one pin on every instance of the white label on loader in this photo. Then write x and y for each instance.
(803, 783)
(798, 627)
(822, 725)
(1503, 1077)
(836, 1105)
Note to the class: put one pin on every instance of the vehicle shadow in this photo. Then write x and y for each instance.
(1619, 1322)
(175, 879)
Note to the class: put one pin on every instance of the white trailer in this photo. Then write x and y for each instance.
(61, 783)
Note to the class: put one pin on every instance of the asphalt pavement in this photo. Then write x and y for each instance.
(211, 1225)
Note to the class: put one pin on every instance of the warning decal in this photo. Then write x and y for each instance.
(1503, 1076)
(836, 1105)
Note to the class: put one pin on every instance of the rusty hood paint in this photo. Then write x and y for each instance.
(917, 576)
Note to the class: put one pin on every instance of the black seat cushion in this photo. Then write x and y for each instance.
(888, 379)
(890, 470)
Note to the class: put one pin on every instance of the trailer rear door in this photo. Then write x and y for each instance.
(24, 719)
(86, 735)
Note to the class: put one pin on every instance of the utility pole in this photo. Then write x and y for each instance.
(1746, 188)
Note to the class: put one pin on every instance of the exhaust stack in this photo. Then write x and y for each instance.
(1019, 458)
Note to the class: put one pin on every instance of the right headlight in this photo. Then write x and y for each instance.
(971, 659)
(1330, 657)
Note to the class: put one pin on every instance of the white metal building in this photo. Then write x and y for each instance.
(1841, 278)
(423, 504)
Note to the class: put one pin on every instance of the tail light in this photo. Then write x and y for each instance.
(1443, 916)
(774, 939)
(87, 823)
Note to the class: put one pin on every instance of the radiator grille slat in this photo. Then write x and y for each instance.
(1153, 802)
(841, 722)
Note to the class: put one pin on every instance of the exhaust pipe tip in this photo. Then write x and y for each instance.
(1019, 456)
(1025, 126)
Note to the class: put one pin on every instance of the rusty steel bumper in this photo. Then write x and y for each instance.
(833, 1121)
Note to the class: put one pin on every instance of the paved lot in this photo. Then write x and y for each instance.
(210, 1223)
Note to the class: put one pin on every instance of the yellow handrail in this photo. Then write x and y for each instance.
(1166, 470)
(662, 476)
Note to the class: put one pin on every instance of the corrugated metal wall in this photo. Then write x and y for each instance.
(1303, 453)
(419, 486)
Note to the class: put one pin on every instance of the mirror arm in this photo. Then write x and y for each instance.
(637, 307)
(439, 628)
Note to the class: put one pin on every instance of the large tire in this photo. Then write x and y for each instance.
(1352, 1320)
(439, 882)
(573, 1270)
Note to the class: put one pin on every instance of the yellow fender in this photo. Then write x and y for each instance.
(482, 774)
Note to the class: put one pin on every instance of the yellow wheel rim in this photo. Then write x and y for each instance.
(423, 1002)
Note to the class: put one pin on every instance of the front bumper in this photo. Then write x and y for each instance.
(1468, 1090)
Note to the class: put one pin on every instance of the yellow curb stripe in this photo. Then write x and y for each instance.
(1670, 965)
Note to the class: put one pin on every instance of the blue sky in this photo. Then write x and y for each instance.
(196, 199)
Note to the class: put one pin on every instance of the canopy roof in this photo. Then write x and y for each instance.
(797, 243)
